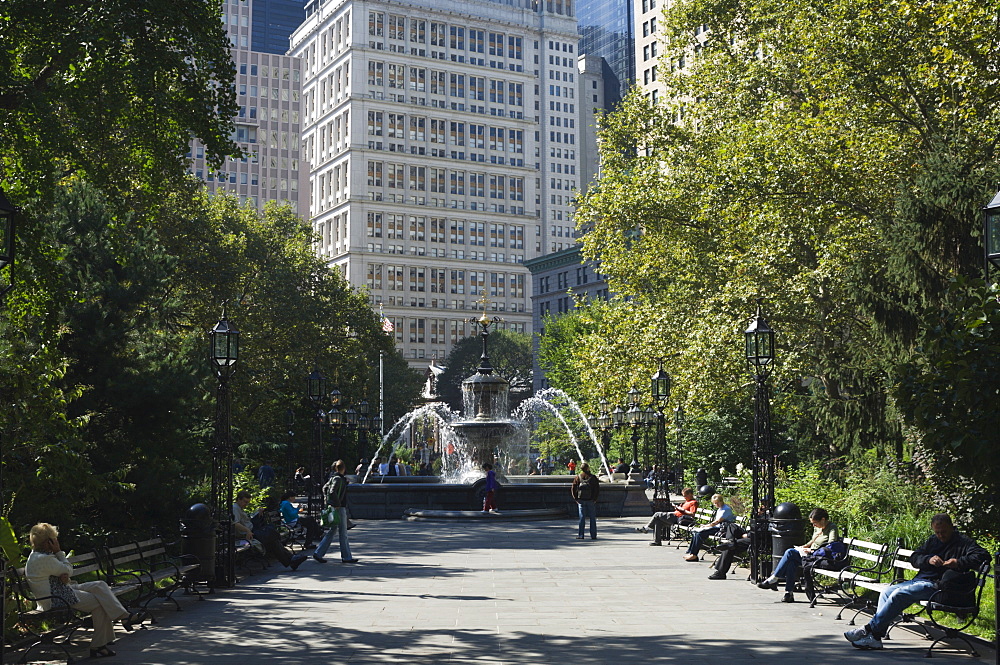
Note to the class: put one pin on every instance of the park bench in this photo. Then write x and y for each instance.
(702, 517)
(900, 569)
(161, 572)
(866, 565)
(56, 625)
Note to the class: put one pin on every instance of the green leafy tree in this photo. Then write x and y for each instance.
(113, 90)
(838, 174)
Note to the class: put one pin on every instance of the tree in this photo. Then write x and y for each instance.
(827, 155)
(510, 354)
(111, 398)
(112, 90)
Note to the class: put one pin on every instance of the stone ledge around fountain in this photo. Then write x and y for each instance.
(414, 515)
(390, 500)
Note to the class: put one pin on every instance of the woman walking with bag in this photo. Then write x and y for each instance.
(335, 492)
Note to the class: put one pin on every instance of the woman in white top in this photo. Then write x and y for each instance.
(47, 565)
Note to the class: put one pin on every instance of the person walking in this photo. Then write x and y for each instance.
(335, 492)
(584, 490)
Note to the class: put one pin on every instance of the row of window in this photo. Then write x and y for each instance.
(435, 229)
(433, 130)
(441, 35)
(284, 94)
(439, 82)
(420, 279)
(264, 71)
(441, 252)
(421, 178)
(437, 331)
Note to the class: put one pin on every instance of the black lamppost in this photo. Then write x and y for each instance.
(660, 392)
(604, 424)
(759, 339)
(618, 422)
(224, 352)
(7, 212)
(679, 466)
(316, 392)
(634, 418)
(364, 427)
(991, 247)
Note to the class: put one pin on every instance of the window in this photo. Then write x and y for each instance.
(376, 23)
(374, 174)
(374, 225)
(375, 276)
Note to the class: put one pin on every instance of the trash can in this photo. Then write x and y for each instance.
(786, 529)
(198, 540)
(700, 477)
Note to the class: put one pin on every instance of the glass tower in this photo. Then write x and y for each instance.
(273, 22)
(606, 29)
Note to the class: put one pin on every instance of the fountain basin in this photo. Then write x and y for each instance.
(391, 500)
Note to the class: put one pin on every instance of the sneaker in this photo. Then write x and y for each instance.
(869, 641)
(717, 575)
(856, 634)
(641, 529)
(656, 543)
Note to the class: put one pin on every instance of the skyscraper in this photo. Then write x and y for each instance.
(445, 146)
(274, 21)
(268, 123)
(607, 29)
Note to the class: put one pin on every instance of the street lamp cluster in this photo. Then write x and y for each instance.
(329, 412)
(636, 418)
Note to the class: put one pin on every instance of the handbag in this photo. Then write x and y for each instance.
(62, 591)
(330, 516)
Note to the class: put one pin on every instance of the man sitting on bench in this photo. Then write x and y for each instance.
(946, 550)
(662, 522)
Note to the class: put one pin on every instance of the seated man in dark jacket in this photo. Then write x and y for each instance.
(946, 550)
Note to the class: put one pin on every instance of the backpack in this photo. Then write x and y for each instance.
(584, 491)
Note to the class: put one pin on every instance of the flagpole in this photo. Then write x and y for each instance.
(381, 394)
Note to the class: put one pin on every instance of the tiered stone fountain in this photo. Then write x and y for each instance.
(484, 433)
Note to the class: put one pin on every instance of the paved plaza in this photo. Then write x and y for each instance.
(435, 592)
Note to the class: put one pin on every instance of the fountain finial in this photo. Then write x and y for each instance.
(484, 322)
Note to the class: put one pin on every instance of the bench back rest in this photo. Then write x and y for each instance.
(86, 567)
(123, 558)
(152, 550)
(866, 555)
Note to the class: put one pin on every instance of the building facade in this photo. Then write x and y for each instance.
(268, 124)
(557, 280)
(445, 149)
(607, 30)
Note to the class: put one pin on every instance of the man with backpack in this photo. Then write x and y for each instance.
(584, 490)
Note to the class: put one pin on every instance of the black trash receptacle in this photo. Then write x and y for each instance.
(198, 539)
(786, 529)
(701, 477)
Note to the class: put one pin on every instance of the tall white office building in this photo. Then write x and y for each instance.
(444, 140)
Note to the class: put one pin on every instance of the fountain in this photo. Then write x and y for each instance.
(486, 433)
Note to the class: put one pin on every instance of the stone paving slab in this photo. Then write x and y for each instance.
(502, 593)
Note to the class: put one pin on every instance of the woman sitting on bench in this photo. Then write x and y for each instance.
(824, 533)
(48, 572)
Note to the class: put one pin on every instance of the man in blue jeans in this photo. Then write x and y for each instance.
(584, 490)
(947, 549)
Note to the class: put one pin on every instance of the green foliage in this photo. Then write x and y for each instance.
(111, 91)
(510, 354)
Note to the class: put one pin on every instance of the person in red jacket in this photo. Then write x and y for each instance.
(661, 522)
